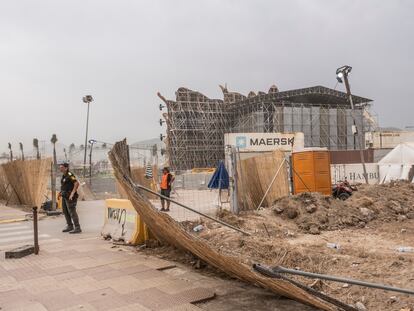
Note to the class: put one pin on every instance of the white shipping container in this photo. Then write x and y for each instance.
(354, 173)
(388, 139)
(264, 141)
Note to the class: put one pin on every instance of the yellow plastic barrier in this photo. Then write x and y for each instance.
(59, 202)
(203, 170)
(122, 223)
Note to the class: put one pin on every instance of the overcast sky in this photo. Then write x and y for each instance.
(122, 52)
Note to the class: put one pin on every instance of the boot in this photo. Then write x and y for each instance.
(68, 229)
(76, 230)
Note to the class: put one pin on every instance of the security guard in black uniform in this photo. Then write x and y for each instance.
(68, 192)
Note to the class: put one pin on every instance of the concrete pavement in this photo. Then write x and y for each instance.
(10, 214)
(84, 272)
(89, 274)
(17, 227)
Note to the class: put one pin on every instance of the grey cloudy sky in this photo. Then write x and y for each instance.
(122, 52)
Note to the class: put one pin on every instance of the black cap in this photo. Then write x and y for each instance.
(65, 164)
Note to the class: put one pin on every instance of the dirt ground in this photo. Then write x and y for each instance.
(366, 230)
(314, 212)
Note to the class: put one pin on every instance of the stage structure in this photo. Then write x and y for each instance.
(196, 124)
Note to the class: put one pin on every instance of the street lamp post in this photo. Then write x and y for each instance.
(53, 166)
(87, 100)
(342, 76)
(91, 142)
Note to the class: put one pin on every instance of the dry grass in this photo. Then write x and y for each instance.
(28, 179)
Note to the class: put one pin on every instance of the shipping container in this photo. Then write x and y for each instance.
(264, 141)
(388, 139)
(351, 156)
(311, 171)
(354, 173)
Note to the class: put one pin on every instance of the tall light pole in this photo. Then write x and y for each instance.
(91, 142)
(342, 76)
(53, 166)
(87, 100)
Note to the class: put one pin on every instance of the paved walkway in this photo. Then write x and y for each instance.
(92, 274)
(11, 214)
(15, 234)
(84, 272)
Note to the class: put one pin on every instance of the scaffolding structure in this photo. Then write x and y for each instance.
(196, 124)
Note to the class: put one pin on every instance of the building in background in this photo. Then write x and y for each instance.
(196, 124)
(388, 138)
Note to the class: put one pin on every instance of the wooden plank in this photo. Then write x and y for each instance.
(258, 172)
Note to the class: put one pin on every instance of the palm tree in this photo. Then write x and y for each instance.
(21, 150)
(36, 147)
(11, 152)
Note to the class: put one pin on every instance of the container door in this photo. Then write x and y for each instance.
(303, 172)
(322, 166)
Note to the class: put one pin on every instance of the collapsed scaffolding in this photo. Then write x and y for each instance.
(196, 124)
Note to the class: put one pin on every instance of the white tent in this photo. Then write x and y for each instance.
(397, 163)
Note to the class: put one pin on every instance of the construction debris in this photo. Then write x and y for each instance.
(276, 239)
(169, 231)
(313, 212)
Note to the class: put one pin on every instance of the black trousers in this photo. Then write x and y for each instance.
(166, 193)
(69, 209)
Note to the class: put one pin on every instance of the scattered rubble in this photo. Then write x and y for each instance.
(332, 239)
(360, 306)
(360, 251)
(313, 212)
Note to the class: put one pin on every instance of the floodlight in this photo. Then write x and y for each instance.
(87, 99)
(341, 72)
(339, 77)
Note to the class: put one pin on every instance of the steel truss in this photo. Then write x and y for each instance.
(196, 124)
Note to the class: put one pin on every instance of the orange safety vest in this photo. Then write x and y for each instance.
(164, 181)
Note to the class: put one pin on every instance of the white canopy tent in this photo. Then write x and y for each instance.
(397, 164)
